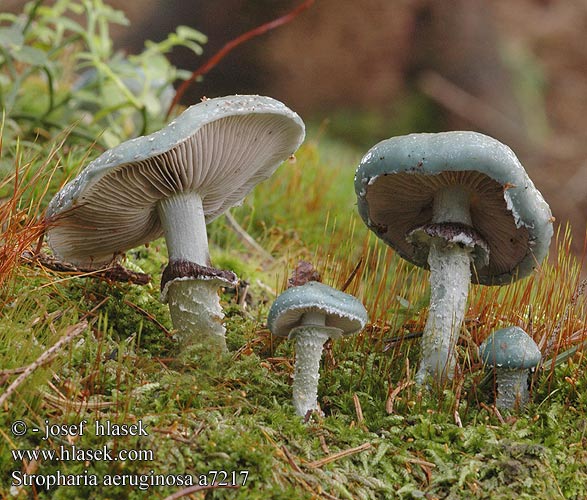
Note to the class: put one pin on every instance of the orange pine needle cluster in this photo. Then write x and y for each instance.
(551, 305)
(21, 222)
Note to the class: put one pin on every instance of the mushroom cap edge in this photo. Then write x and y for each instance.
(434, 153)
(343, 311)
(510, 348)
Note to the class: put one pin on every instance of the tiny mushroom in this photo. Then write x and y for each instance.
(511, 352)
(462, 205)
(311, 314)
(172, 183)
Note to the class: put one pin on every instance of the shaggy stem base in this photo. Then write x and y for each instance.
(196, 314)
(310, 342)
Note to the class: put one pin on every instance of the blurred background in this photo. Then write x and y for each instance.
(364, 70)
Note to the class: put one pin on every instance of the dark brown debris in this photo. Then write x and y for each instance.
(113, 272)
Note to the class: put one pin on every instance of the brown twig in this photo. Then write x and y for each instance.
(12, 371)
(358, 409)
(71, 332)
(64, 403)
(335, 456)
(193, 489)
(352, 275)
(424, 465)
(290, 459)
(150, 317)
(493, 409)
(231, 45)
(323, 444)
(248, 240)
(469, 107)
(114, 272)
(419, 461)
(392, 394)
(6, 374)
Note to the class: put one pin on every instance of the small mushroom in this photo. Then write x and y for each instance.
(172, 183)
(462, 205)
(511, 352)
(311, 314)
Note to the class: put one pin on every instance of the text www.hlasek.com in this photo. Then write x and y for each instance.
(77, 454)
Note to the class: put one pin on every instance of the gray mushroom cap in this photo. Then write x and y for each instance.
(510, 348)
(220, 148)
(343, 312)
(397, 179)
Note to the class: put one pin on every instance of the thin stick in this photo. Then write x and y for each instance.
(114, 272)
(419, 461)
(392, 394)
(358, 409)
(493, 409)
(341, 454)
(469, 107)
(12, 371)
(352, 275)
(193, 489)
(228, 47)
(247, 239)
(70, 333)
(61, 402)
(290, 459)
(150, 317)
(323, 444)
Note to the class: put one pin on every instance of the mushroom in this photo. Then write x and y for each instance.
(172, 183)
(311, 314)
(511, 352)
(462, 205)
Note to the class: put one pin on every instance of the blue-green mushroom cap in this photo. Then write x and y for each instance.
(220, 148)
(343, 311)
(510, 348)
(397, 179)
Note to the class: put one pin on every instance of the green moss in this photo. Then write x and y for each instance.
(380, 437)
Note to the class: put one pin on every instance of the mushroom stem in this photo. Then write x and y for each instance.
(450, 274)
(451, 204)
(310, 338)
(194, 303)
(314, 318)
(512, 388)
(184, 225)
